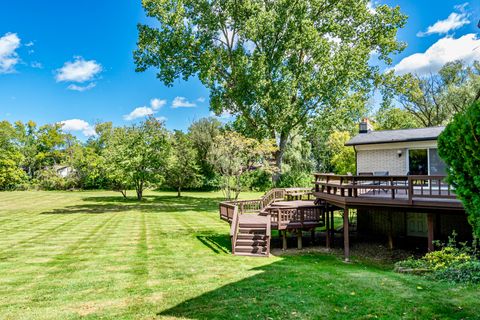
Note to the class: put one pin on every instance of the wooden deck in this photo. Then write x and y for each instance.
(416, 193)
(292, 210)
(252, 220)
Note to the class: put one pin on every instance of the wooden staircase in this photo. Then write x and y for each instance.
(251, 236)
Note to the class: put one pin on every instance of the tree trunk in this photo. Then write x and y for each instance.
(179, 194)
(124, 193)
(139, 191)
(282, 145)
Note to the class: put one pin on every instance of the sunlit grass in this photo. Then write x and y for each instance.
(68, 255)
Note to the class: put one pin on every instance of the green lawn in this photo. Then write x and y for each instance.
(69, 255)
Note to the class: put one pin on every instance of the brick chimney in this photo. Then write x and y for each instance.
(365, 126)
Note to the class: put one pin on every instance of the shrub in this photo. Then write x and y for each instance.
(446, 257)
(459, 147)
(295, 178)
(453, 262)
(465, 272)
(48, 179)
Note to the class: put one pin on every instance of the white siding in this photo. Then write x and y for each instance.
(382, 160)
(384, 157)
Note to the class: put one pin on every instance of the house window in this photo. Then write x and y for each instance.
(418, 161)
(437, 166)
(417, 224)
(425, 162)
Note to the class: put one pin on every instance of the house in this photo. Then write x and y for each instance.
(399, 194)
(63, 170)
(397, 152)
(399, 191)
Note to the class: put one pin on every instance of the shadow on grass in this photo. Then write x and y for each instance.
(322, 287)
(109, 204)
(218, 243)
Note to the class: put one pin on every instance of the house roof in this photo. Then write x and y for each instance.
(391, 136)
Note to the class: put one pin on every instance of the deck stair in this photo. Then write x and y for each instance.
(252, 237)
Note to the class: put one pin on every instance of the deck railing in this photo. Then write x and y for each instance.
(226, 208)
(300, 217)
(234, 229)
(394, 187)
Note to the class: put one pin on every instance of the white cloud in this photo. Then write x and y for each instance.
(78, 125)
(29, 44)
(9, 43)
(454, 21)
(36, 65)
(182, 102)
(162, 119)
(75, 87)
(371, 6)
(156, 103)
(79, 70)
(223, 115)
(201, 99)
(466, 48)
(139, 112)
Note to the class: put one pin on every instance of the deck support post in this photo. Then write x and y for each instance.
(346, 235)
(312, 235)
(430, 225)
(390, 231)
(284, 239)
(299, 238)
(327, 229)
(332, 228)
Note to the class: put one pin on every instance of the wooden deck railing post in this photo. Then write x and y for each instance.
(410, 190)
(346, 235)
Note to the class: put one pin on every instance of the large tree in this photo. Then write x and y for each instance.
(271, 63)
(137, 155)
(435, 98)
(234, 155)
(182, 169)
(11, 174)
(202, 133)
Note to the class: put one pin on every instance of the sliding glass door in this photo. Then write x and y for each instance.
(418, 161)
(425, 162)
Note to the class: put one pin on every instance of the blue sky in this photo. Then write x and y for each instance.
(72, 60)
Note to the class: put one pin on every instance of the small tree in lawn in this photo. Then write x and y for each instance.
(459, 146)
(137, 156)
(233, 155)
(182, 170)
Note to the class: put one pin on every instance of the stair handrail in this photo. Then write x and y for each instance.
(234, 228)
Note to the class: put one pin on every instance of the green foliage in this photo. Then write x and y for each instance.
(202, 133)
(233, 155)
(273, 64)
(459, 147)
(392, 118)
(453, 262)
(343, 158)
(49, 179)
(257, 180)
(11, 174)
(295, 178)
(182, 170)
(466, 272)
(137, 156)
(434, 99)
(343, 116)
